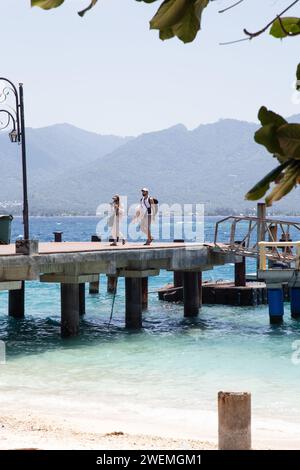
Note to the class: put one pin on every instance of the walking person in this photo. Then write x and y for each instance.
(146, 213)
(115, 220)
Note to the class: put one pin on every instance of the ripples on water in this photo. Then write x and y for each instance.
(172, 362)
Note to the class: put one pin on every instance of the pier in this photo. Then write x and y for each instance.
(72, 264)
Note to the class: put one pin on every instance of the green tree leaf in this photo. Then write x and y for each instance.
(46, 4)
(290, 25)
(269, 117)
(288, 182)
(169, 13)
(260, 189)
(49, 4)
(289, 140)
(181, 18)
(267, 136)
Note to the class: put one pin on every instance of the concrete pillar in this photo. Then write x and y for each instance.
(16, 302)
(94, 286)
(295, 302)
(276, 306)
(82, 299)
(133, 303)
(200, 288)
(240, 273)
(234, 411)
(111, 284)
(240, 269)
(144, 293)
(191, 293)
(69, 310)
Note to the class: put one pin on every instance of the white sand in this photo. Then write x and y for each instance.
(45, 429)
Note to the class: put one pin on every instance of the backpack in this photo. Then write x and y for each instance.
(155, 205)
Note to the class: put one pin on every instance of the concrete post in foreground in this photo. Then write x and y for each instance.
(144, 293)
(82, 299)
(16, 302)
(133, 303)
(69, 310)
(234, 410)
(191, 292)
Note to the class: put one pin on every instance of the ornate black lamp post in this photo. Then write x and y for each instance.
(13, 113)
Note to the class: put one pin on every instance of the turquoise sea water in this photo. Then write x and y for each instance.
(173, 363)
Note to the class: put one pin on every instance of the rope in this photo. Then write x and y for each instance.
(113, 301)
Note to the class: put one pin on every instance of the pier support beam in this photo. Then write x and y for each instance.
(295, 302)
(111, 284)
(191, 296)
(82, 299)
(234, 411)
(144, 293)
(16, 302)
(69, 310)
(133, 303)
(276, 306)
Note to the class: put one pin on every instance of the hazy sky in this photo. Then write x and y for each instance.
(108, 73)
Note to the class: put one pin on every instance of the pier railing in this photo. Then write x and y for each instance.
(285, 246)
(243, 235)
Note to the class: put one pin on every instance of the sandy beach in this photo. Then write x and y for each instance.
(33, 432)
(29, 430)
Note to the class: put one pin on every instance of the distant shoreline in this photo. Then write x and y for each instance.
(96, 217)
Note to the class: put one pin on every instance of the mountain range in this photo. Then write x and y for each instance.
(72, 171)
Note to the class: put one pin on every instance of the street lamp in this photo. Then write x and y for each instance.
(14, 118)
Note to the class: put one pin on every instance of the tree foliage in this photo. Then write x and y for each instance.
(182, 18)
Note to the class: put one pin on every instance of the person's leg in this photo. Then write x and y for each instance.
(149, 228)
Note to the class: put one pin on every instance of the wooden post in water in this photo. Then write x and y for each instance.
(144, 293)
(69, 310)
(133, 303)
(82, 298)
(191, 298)
(234, 410)
(16, 302)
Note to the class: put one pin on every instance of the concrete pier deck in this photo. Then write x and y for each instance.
(72, 264)
(78, 259)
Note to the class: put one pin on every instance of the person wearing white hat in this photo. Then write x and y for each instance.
(146, 214)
